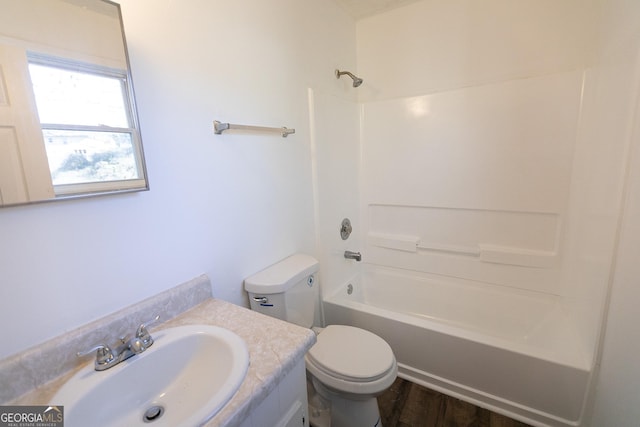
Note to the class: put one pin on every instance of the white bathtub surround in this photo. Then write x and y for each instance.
(491, 164)
(478, 177)
(276, 350)
(34, 367)
(515, 352)
(465, 198)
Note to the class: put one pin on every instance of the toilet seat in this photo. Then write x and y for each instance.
(352, 360)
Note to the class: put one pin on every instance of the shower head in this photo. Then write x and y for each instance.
(356, 80)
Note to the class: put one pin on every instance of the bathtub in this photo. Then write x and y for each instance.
(514, 352)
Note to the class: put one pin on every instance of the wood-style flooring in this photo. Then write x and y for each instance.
(406, 404)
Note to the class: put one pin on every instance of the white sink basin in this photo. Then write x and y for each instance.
(190, 372)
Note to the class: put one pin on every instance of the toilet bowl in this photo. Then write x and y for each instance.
(347, 367)
(352, 360)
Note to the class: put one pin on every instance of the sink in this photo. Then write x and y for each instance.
(183, 379)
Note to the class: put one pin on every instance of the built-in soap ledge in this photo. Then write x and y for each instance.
(495, 254)
(517, 256)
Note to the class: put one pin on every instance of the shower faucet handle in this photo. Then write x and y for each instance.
(345, 229)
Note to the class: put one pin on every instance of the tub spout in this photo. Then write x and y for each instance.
(353, 255)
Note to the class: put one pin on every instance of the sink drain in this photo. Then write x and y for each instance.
(153, 414)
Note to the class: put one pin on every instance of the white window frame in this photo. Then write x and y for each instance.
(127, 93)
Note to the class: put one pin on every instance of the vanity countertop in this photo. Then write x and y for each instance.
(274, 349)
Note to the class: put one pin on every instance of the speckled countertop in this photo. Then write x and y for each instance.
(274, 349)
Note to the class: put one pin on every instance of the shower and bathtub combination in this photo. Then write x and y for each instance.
(469, 271)
(484, 201)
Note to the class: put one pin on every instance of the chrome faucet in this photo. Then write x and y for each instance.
(353, 255)
(107, 358)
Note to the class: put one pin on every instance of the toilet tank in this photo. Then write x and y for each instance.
(286, 290)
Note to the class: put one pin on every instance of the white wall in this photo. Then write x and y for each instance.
(226, 205)
(617, 389)
(66, 29)
(610, 95)
(617, 385)
(432, 45)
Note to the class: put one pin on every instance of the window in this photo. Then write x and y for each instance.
(87, 124)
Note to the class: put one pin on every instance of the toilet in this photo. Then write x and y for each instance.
(347, 367)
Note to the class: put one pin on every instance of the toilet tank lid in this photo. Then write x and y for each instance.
(282, 275)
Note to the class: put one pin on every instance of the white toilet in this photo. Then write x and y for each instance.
(348, 367)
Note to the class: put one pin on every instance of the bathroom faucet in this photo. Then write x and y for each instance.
(107, 358)
(353, 255)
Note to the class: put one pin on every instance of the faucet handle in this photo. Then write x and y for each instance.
(104, 355)
(143, 333)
